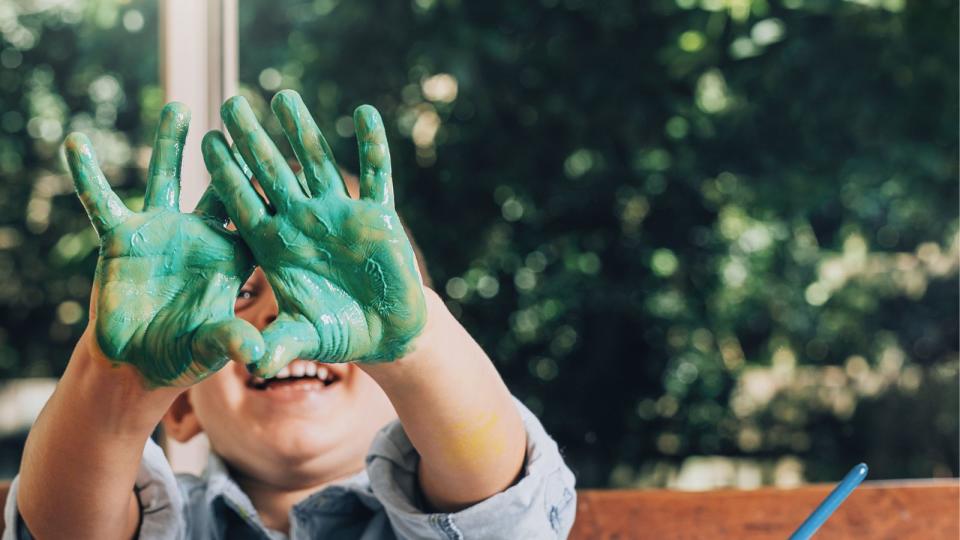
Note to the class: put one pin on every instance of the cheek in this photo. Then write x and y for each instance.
(217, 399)
(245, 313)
(370, 399)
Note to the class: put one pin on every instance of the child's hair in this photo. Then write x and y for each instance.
(421, 262)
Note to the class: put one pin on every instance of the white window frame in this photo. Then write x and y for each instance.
(199, 54)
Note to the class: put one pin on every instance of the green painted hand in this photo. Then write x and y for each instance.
(342, 270)
(166, 282)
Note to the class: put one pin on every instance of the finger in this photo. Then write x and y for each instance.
(214, 344)
(286, 339)
(239, 159)
(260, 154)
(163, 178)
(319, 168)
(243, 204)
(211, 206)
(376, 175)
(105, 209)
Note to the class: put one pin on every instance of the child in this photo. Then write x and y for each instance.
(330, 339)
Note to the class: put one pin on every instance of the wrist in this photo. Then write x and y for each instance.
(422, 350)
(115, 393)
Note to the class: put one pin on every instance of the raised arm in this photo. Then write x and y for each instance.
(81, 458)
(161, 318)
(348, 290)
(457, 412)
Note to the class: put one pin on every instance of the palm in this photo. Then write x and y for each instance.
(343, 270)
(166, 281)
(162, 275)
(356, 270)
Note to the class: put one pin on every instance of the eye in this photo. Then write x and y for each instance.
(244, 298)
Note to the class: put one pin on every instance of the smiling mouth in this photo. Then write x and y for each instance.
(302, 374)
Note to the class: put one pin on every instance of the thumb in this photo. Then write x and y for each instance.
(215, 343)
(286, 340)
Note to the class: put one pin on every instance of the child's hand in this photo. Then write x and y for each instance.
(343, 271)
(166, 282)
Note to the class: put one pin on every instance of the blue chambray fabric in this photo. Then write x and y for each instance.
(382, 501)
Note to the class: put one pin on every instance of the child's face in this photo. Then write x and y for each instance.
(293, 433)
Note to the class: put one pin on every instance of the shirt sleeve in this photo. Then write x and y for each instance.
(161, 503)
(542, 504)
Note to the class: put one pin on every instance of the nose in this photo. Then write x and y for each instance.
(266, 309)
(266, 321)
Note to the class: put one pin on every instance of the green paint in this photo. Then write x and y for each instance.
(166, 281)
(342, 270)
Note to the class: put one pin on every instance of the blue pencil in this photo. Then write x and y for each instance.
(833, 500)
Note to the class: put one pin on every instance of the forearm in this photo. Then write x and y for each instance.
(82, 455)
(457, 412)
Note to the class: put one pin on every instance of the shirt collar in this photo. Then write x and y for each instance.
(220, 485)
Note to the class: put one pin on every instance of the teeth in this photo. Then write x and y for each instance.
(298, 369)
(323, 373)
(311, 369)
(283, 373)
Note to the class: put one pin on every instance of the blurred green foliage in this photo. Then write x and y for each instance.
(681, 228)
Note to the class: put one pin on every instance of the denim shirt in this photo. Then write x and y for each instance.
(383, 501)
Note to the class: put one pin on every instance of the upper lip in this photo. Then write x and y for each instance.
(327, 373)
